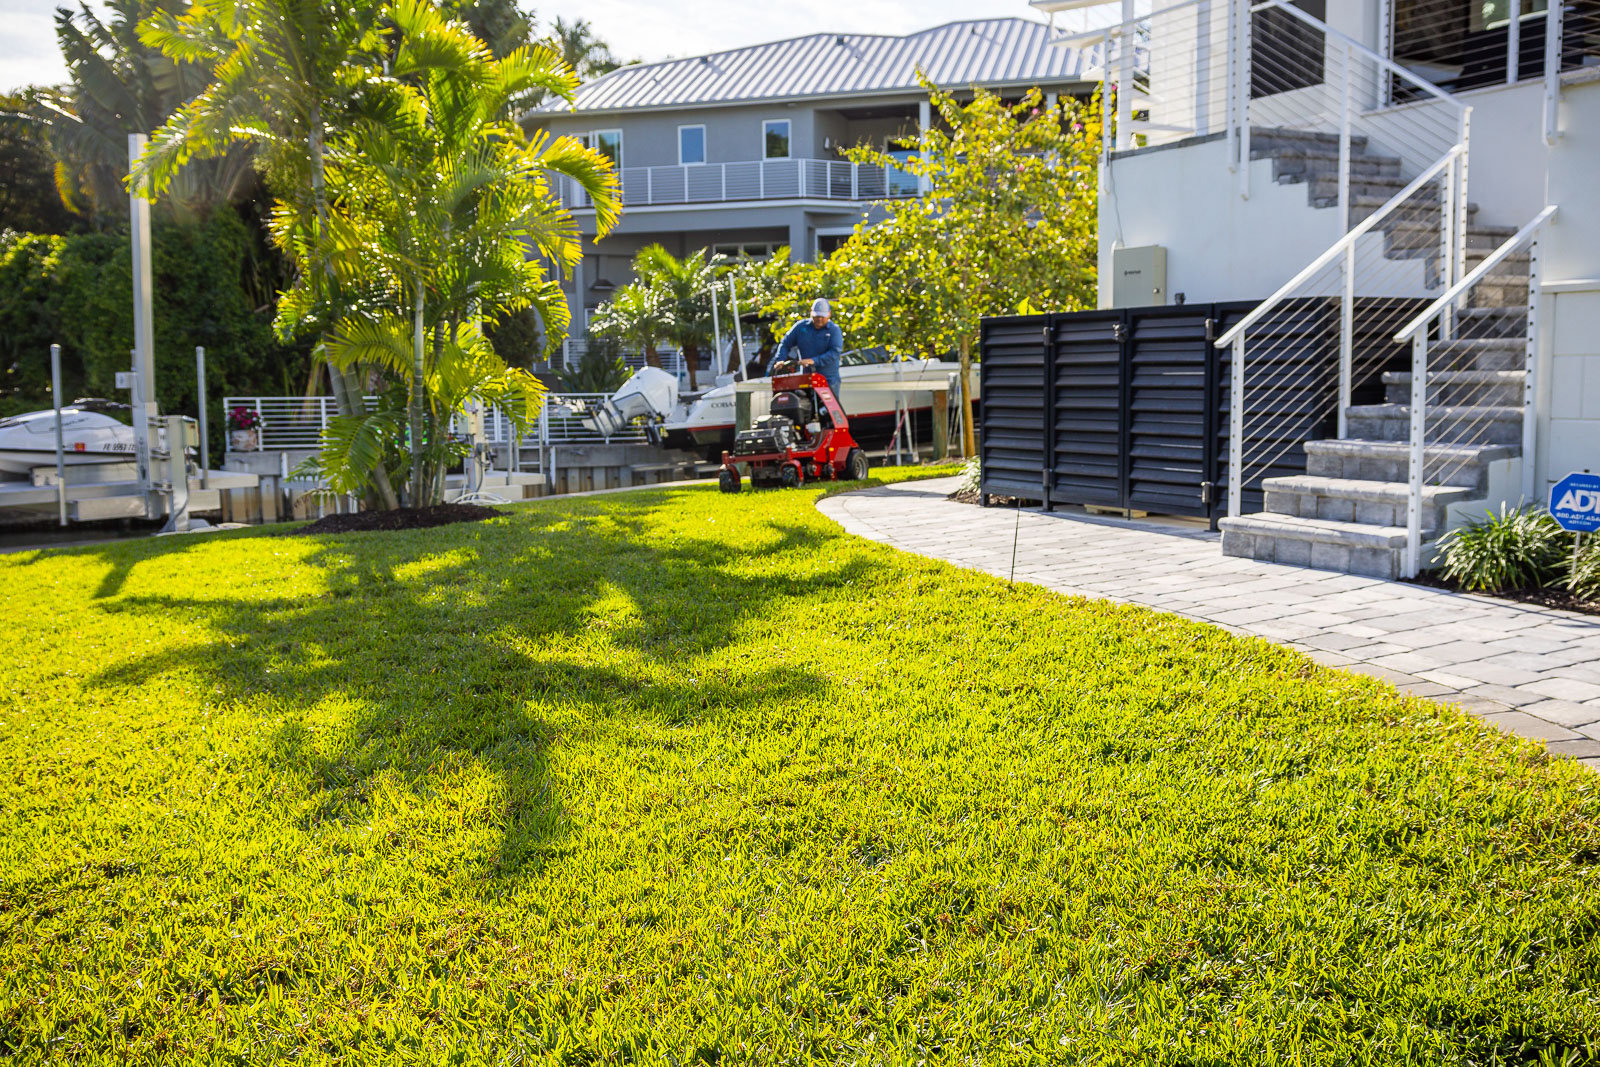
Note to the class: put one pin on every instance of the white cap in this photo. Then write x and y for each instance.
(820, 307)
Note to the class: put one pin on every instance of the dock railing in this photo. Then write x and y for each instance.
(296, 424)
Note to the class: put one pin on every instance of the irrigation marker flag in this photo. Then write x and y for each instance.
(1575, 503)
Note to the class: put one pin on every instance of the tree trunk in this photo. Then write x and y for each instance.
(414, 402)
(969, 442)
(652, 358)
(691, 356)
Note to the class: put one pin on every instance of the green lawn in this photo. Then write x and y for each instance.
(673, 777)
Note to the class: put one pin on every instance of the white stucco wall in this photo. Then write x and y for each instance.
(1219, 246)
(1569, 422)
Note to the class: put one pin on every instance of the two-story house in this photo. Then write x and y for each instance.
(1400, 199)
(742, 151)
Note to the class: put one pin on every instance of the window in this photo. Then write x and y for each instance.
(1289, 52)
(775, 139)
(1496, 14)
(691, 144)
(608, 143)
(901, 182)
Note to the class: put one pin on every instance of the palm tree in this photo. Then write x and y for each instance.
(585, 53)
(118, 85)
(636, 315)
(440, 202)
(685, 287)
(285, 70)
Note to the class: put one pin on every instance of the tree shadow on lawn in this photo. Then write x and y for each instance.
(445, 642)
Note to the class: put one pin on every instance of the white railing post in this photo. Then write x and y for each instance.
(649, 185)
(1463, 133)
(1231, 90)
(1125, 78)
(1447, 241)
(1246, 61)
(723, 167)
(761, 179)
(1344, 142)
(1236, 430)
(1514, 43)
(1347, 337)
(1552, 72)
(1419, 414)
(1530, 420)
(855, 182)
(800, 169)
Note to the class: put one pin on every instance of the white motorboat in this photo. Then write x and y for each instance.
(876, 389)
(90, 435)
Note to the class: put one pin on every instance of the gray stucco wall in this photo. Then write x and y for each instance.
(734, 134)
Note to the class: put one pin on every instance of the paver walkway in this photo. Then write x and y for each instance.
(1529, 670)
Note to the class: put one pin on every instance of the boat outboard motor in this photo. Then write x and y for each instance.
(651, 392)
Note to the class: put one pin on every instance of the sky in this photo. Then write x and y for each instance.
(635, 29)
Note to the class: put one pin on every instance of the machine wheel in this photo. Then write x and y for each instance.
(728, 481)
(789, 476)
(856, 466)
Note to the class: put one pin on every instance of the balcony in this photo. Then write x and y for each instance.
(772, 179)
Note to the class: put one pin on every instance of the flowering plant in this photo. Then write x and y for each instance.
(243, 418)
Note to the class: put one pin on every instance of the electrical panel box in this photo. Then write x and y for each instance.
(1138, 276)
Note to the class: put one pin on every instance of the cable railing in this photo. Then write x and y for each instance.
(1312, 102)
(755, 179)
(296, 424)
(1469, 383)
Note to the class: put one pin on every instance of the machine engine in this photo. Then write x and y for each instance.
(771, 433)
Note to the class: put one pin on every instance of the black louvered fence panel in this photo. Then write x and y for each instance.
(1011, 430)
(1129, 408)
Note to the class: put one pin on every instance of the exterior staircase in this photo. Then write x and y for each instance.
(1347, 512)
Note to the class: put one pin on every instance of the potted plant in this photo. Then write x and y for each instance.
(244, 430)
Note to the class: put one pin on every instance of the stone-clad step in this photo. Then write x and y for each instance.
(1369, 503)
(1456, 388)
(1445, 425)
(1389, 461)
(1354, 548)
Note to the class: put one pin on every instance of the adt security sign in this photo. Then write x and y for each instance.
(1575, 503)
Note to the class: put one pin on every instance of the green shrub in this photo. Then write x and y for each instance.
(1520, 548)
(1583, 578)
(76, 291)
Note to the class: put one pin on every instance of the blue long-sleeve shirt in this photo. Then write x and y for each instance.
(823, 347)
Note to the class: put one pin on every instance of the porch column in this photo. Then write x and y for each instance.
(924, 120)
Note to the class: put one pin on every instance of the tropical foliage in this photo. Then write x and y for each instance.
(119, 85)
(1008, 221)
(1518, 548)
(409, 200)
(75, 290)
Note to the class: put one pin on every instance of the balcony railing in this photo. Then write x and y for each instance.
(772, 179)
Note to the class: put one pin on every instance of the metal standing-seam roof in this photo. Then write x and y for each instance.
(975, 52)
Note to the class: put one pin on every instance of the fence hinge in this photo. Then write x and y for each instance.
(1119, 331)
(1211, 329)
(1046, 335)
(1205, 490)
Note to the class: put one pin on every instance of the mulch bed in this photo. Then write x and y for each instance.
(399, 519)
(970, 496)
(1554, 597)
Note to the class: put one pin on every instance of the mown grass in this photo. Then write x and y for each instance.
(674, 777)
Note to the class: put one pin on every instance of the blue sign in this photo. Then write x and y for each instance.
(1575, 503)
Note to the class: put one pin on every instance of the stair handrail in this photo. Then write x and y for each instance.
(1416, 332)
(1473, 277)
(1341, 245)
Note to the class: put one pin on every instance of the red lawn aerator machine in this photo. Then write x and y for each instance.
(804, 439)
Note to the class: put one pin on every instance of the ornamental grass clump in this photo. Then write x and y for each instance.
(1582, 579)
(1520, 548)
